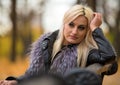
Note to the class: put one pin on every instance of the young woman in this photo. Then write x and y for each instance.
(78, 43)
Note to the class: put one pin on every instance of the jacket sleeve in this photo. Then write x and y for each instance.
(104, 54)
(36, 67)
(36, 63)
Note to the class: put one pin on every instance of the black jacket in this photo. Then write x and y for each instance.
(105, 54)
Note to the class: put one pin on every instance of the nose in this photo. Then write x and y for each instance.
(74, 31)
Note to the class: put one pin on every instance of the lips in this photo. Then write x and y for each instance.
(73, 37)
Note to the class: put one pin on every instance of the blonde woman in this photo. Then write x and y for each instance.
(78, 43)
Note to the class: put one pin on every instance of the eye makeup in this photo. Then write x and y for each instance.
(71, 24)
(80, 27)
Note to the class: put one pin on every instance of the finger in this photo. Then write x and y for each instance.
(1, 82)
(99, 16)
(12, 82)
(94, 14)
(5, 82)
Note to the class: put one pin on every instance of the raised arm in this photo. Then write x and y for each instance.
(105, 53)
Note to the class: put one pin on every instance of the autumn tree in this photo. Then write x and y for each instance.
(112, 19)
(14, 30)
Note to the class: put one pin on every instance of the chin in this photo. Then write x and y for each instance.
(73, 42)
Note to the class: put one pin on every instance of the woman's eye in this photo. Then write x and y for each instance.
(71, 24)
(81, 27)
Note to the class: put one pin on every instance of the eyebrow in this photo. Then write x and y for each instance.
(82, 25)
(74, 23)
(78, 25)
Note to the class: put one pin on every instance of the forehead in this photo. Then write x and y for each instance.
(80, 20)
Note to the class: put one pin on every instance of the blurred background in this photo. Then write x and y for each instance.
(23, 21)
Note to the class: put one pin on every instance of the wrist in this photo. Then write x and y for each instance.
(93, 28)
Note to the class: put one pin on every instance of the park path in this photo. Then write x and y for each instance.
(113, 79)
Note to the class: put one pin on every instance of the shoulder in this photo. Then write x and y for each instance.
(35, 47)
(40, 39)
(51, 36)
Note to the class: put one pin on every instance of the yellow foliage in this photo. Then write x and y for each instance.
(16, 69)
(6, 42)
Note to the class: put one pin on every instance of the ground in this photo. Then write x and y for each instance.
(18, 68)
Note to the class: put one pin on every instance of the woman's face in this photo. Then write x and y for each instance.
(75, 31)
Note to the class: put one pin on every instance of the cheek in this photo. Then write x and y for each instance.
(82, 35)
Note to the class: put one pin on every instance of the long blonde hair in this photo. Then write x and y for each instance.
(87, 44)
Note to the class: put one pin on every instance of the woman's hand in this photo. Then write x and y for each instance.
(96, 21)
(7, 82)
